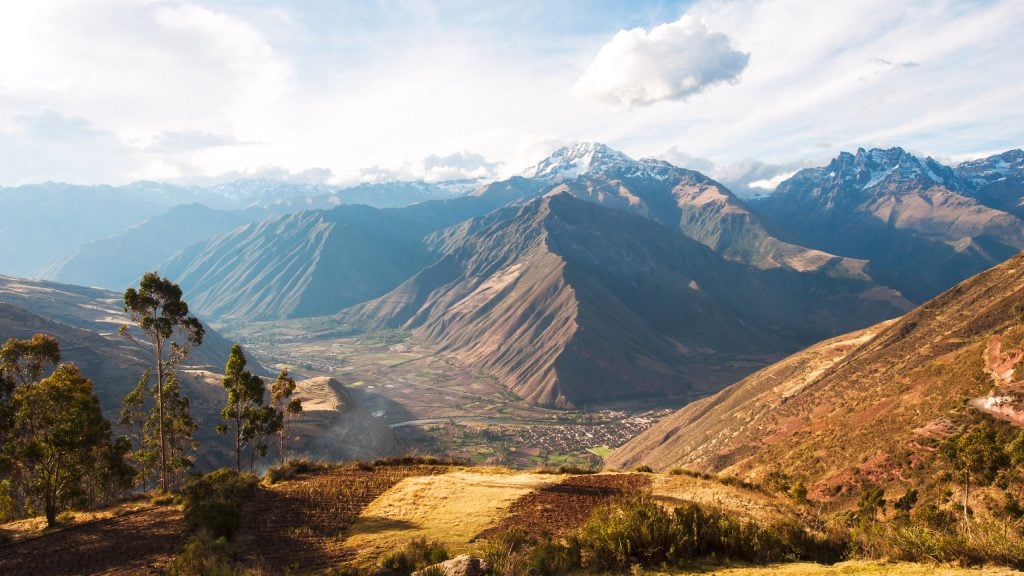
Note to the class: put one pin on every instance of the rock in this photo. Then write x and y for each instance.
(464, 565)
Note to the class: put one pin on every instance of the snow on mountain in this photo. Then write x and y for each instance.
(993, 169)
(592, 158)
(869, 168)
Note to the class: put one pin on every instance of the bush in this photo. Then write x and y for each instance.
(214, 502)
(417, 554)
(564, 469)
(293, 469)
(639, 529)
(203, 555)
(643, 468)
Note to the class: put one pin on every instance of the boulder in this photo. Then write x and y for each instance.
(464, 565)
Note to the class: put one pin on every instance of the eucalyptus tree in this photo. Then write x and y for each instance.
(158, 310)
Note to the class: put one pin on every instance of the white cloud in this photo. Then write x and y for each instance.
(670, 62)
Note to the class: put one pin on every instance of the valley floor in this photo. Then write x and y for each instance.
(436, 405)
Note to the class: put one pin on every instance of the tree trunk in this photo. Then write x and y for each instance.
(160, 410)
(238, 442)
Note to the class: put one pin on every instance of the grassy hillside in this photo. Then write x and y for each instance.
(870, 406)
(321, 519)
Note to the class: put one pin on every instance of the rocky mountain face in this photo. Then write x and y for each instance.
(996, 181)
(696, 205)
(572, 303)
(914, 220)
(869, 406)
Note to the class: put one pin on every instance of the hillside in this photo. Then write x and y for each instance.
(913, 219)
(866, 406)
(117, 261)
(569, 302)
(85, 322)
(304, 264)
(355, 517)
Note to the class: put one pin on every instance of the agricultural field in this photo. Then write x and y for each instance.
(436, 405)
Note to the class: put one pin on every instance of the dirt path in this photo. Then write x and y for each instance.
(558, 508)
(140, 542)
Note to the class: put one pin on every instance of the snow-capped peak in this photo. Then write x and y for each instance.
(869, 168)
(994, 168)
(581, 158)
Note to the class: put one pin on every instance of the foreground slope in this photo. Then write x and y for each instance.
(865, 406)
(568, 302)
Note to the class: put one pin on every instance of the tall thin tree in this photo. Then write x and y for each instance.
(281, 399)
(158, 310)
(244, 398)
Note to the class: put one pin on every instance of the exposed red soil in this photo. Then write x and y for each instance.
(556, 509)
(142, 542)
(297, 526)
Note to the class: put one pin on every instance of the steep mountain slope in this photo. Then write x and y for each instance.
(997, 181)
(304, 264)
(678, 198)
(318, 262)
(569, 302)
(43, 221)
(118, 261)
(908, 216)
(868, 406)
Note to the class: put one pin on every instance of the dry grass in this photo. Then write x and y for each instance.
(751, 504)
(450, 509)
(847, 569)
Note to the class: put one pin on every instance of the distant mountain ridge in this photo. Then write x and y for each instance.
(914, 220)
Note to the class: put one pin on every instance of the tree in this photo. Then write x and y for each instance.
(66, 438)
(976, 456)
(157, 308)
(872, 499)
(133, 418)
(179, 428)
(21, 363)
(281, 399)
(265, 421)
(244, 399)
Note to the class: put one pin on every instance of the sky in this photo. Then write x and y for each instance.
(113, 91)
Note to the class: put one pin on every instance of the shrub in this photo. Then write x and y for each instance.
(293, 469)
(214, 502)
(638, 529)
(418, 553)
(643, 468)
(203, 555)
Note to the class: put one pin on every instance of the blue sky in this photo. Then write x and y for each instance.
(112, 91)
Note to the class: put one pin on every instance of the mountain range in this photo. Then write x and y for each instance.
(591, 276)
